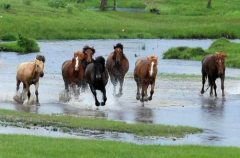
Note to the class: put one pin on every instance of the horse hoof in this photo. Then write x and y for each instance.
(119, 95)
(142, 100)
(138, 97)
(102, 103)
(149, 98)
(37, 104)
(97, 104)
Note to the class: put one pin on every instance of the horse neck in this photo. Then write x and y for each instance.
(34, 73)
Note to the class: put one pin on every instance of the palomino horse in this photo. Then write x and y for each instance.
(88, 58)
(117, 65)
(97, 77)
(28, 73)
(145, 74)
(73, 72)
(213, 66)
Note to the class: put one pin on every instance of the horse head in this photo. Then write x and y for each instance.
(118, 54)
(99, 67)
(39, 67)
(152, 65)
(220, 62)
(88, 53)
(76, 60)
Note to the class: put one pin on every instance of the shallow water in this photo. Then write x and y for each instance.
(175, 102)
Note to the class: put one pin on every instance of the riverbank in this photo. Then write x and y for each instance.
(38, 147)
(178, 20)
(232, 50)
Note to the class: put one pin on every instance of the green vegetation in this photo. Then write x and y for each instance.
(96, 124)
(178, 19)
(20, 146)
(23, 45)
(221, 45)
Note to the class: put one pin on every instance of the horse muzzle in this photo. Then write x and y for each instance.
(41, 74)
(98, 77)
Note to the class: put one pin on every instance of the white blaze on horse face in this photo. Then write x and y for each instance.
(151, 71)
(76, 65)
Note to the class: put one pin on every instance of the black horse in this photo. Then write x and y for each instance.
(96, 76)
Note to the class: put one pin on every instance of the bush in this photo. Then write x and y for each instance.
(9, 37)
(56, 4)
(70, 8)
(27, 2)
(7, 6)
(30, 45)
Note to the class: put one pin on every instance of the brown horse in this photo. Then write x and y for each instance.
(117, 65)
(88, 58)
(73, 72)
(28, 73)
(213, 66)
(145, 74)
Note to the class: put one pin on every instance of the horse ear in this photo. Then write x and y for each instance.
(224, 55)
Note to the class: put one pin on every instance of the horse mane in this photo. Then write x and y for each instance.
(79, 54)
(101, 61)
(220, 55)
(86, 47)
(119, 45)
(40, 58)
(152, 57)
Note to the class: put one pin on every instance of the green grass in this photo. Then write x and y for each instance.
(178, 19)
(96, 124)
(19, 146)
(221, 45)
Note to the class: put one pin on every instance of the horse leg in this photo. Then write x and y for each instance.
(152, 91)
(104, 96)
(145, 92)
(203, 81)
(18, 84)
(121, 80)
(95, 95)
(36, 93)
(222, 85)
(66, 86)
(138, 91)
(114, 82)
(84, 85)
(28, 91)
(215, 88)
(210, 80)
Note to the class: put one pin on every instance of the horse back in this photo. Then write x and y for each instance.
(208, 65)
(25, 71)
(141, 67)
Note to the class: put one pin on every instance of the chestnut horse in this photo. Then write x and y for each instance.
(73, 72)
(88, 58)
(97, 77)
(117, 65)
(145, 74)
(28, 73)
(213, 66)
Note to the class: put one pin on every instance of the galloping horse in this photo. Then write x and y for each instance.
(117, 65)
(28, 73)
(145, 74)
(97, 77)
(213, 66)
(88, 58)
(73, 72)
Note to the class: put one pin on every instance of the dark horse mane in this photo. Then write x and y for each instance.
(119, 45)
(40, 58)
(101, 61)
(87, 47)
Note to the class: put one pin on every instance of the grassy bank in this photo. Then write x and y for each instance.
(96, 124)
(221, 45)
(178, 19)
(18, 146)
(22, 45)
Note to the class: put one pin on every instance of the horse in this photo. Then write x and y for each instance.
(28, 73)
(213, 67)
(145, 74)
(117, 65)
(96, 76)
(73, 72)
(88, 58)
